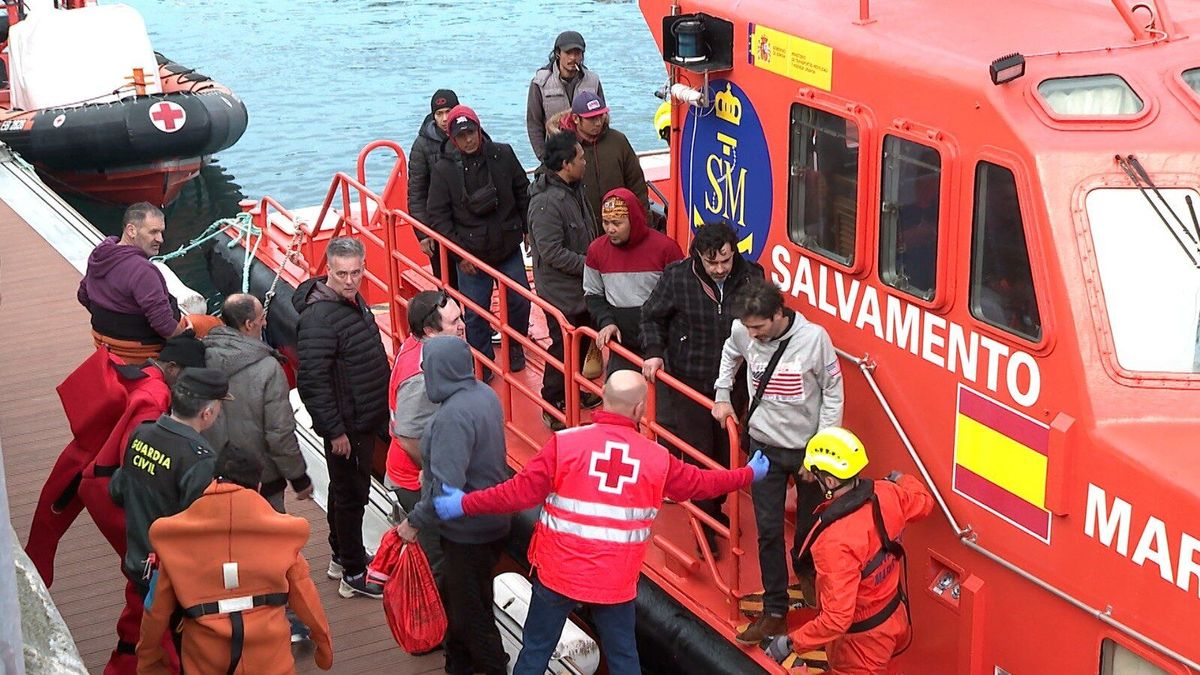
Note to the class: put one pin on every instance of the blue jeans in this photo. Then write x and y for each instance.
(478, 287)
(548, 613)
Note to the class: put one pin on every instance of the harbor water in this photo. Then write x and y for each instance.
(323, 79)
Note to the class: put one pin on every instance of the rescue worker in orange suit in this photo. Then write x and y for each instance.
(140, 394)
(862, 617)
(600, 487)
(229, 563)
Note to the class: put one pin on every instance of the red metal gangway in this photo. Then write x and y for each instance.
(396, 269)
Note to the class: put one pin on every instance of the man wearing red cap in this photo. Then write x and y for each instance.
(479, 198)
(555, 85)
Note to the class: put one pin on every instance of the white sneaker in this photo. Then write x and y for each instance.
(335, 570)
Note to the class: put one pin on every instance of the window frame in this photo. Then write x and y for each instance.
(1031, 252)
(1043, 111)
(865, 218)
(947, 203)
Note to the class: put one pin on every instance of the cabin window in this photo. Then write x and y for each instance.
(908, 216)
(1191, 78)
(823, 184)
(1002, 291)
(1090, 96)
(1147, 262)
(1117, 660)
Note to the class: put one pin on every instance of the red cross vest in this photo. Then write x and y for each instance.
(592, 535)
(400, 467)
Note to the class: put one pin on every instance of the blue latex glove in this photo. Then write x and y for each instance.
(449, 505)
(759, 464)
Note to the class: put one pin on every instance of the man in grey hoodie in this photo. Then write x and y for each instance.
(802, 396)
(260, 417)
(463, 445)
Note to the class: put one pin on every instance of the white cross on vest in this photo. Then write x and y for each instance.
(614, 472)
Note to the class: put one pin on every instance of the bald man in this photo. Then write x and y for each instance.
(600, 487)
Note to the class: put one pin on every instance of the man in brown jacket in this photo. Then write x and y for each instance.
(611, 161)
(229, 564)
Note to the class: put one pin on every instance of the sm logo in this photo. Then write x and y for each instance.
(726, 167)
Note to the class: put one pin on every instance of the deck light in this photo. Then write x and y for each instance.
(689, 45)
(1007, 68)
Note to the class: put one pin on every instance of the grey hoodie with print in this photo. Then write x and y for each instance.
(803, 395)
(464, 444)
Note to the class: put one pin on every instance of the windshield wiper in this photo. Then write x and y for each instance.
(1133, 168)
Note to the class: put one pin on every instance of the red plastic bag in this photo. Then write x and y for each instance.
(410, 596)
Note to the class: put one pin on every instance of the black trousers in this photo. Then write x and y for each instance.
(553, 381)
(472, 640)
(349, 488)
(769, 496)
(694, 424)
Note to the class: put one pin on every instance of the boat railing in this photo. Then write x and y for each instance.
(389, 230)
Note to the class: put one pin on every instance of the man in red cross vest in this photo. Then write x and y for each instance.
(600, 487)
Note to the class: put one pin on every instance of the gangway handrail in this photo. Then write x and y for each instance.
(970, 538)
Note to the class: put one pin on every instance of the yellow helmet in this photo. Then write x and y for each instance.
(835, 451)
(662, 120)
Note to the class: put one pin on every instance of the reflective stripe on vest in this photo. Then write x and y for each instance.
(595, 532)
(599, 510)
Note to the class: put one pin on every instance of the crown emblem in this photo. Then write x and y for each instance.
(727, 106)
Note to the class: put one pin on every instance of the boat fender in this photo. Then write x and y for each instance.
(190, 302)
(512, 593)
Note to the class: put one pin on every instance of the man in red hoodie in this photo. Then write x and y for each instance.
(600, 487)
(621, 269)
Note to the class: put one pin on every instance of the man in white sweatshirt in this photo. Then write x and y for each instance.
(802, 395)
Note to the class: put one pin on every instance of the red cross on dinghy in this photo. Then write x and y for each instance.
(168, 117)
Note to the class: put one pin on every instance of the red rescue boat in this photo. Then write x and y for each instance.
(991, 208)
(130, 126)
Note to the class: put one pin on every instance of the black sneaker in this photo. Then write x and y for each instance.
(588, 400)
(552, 422)
(358, 585)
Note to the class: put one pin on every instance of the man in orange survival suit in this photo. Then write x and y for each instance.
(857, 556)
(600, 487)
(229, 563)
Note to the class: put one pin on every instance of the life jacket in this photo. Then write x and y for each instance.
(594, 527)
(400, 467)
(857, 498)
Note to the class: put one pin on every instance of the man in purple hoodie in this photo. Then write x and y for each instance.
(132, 312)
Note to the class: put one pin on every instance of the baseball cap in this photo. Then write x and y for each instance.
(568, 40)
(208, 384)
(462, 123)
(184, 350)
(588, 104)
(443, 98)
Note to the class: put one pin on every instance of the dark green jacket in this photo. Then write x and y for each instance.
(167, 466)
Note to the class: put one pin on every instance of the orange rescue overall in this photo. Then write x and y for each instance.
(230, 562)
(850, 602)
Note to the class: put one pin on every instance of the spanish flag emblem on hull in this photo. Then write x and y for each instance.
(1000, 461)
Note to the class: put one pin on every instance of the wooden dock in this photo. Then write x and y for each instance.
(43, 336)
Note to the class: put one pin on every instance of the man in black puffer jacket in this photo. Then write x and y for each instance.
(479, 198)
(343, 381)
(424, 154)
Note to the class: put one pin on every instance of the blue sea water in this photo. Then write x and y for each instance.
(323, 79)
